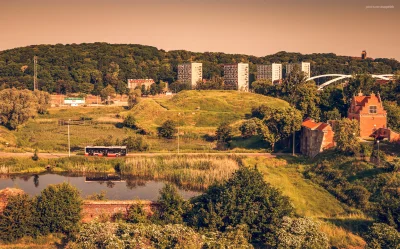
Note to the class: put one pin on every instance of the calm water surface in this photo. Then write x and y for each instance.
(128, 189)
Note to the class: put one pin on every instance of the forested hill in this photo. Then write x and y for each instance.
(84, 67)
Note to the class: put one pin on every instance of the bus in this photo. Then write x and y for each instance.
(106, 151)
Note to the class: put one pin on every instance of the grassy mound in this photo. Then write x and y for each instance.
(201, 111)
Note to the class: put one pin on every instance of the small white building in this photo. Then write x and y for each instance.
(74, 101)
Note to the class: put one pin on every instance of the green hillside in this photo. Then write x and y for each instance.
(200, 111)
(89, 67)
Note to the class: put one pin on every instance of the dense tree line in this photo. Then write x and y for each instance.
(89, 68)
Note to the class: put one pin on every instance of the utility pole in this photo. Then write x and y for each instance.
(179, 114)
(35, 83)
(69, 141)
(379, 159)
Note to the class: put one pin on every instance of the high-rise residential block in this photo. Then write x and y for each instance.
(303, 66)
(190, 73)
(236, 76)
(271, 72)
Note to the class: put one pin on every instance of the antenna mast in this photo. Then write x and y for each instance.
(35, 85)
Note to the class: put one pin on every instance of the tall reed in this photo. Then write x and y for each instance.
(194, 171)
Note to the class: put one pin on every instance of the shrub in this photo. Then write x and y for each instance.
(17, 219)
(35, 156)
(167, 129)
(124, 235)
(59, 209)
(130, 121)
(357, 196)
(136, 214)
(299, 233)
(382, 236)
(249, 128)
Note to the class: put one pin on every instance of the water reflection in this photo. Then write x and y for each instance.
(116, 187)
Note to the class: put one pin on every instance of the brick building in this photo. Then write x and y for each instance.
(133, 83)
(369, 112)
(315, 137)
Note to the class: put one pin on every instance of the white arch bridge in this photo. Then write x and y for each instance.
(346, 76)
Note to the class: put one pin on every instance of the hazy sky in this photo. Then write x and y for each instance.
(256, 27)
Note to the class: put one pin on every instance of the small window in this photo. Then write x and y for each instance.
(372, 109)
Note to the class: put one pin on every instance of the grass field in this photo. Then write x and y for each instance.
(309, 199)
(197, 113)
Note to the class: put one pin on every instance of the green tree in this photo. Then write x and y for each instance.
(134, 98)
(332, 115)
(244, 199)
(16, 107)
(167, 129)
(108, 91)
(171, 205)
(136, 143)
(276, 124)
(43, 100)
(262, 86)
(17, 219)
(346, 133)
(393, 115)
(59, 209)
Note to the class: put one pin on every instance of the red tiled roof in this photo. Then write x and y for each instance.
(322, 126)
(309, 123)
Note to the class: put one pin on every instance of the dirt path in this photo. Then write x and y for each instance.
(59, 155)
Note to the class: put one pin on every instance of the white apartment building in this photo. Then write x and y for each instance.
(303, 66)
(271, 72)
(190, 73)
(236, 76)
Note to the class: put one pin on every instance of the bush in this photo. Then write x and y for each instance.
(17, 219)
(244, 199)
(249, 128)
(136, 214)
(167, 129)
(357, 196)
(59, 209)
(299, 233)
(382, 236)
(124, 235)
(130, 121)
(35, 156)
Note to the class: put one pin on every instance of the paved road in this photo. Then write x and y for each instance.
(59, 155)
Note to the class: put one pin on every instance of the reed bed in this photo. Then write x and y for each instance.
(193, 172)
